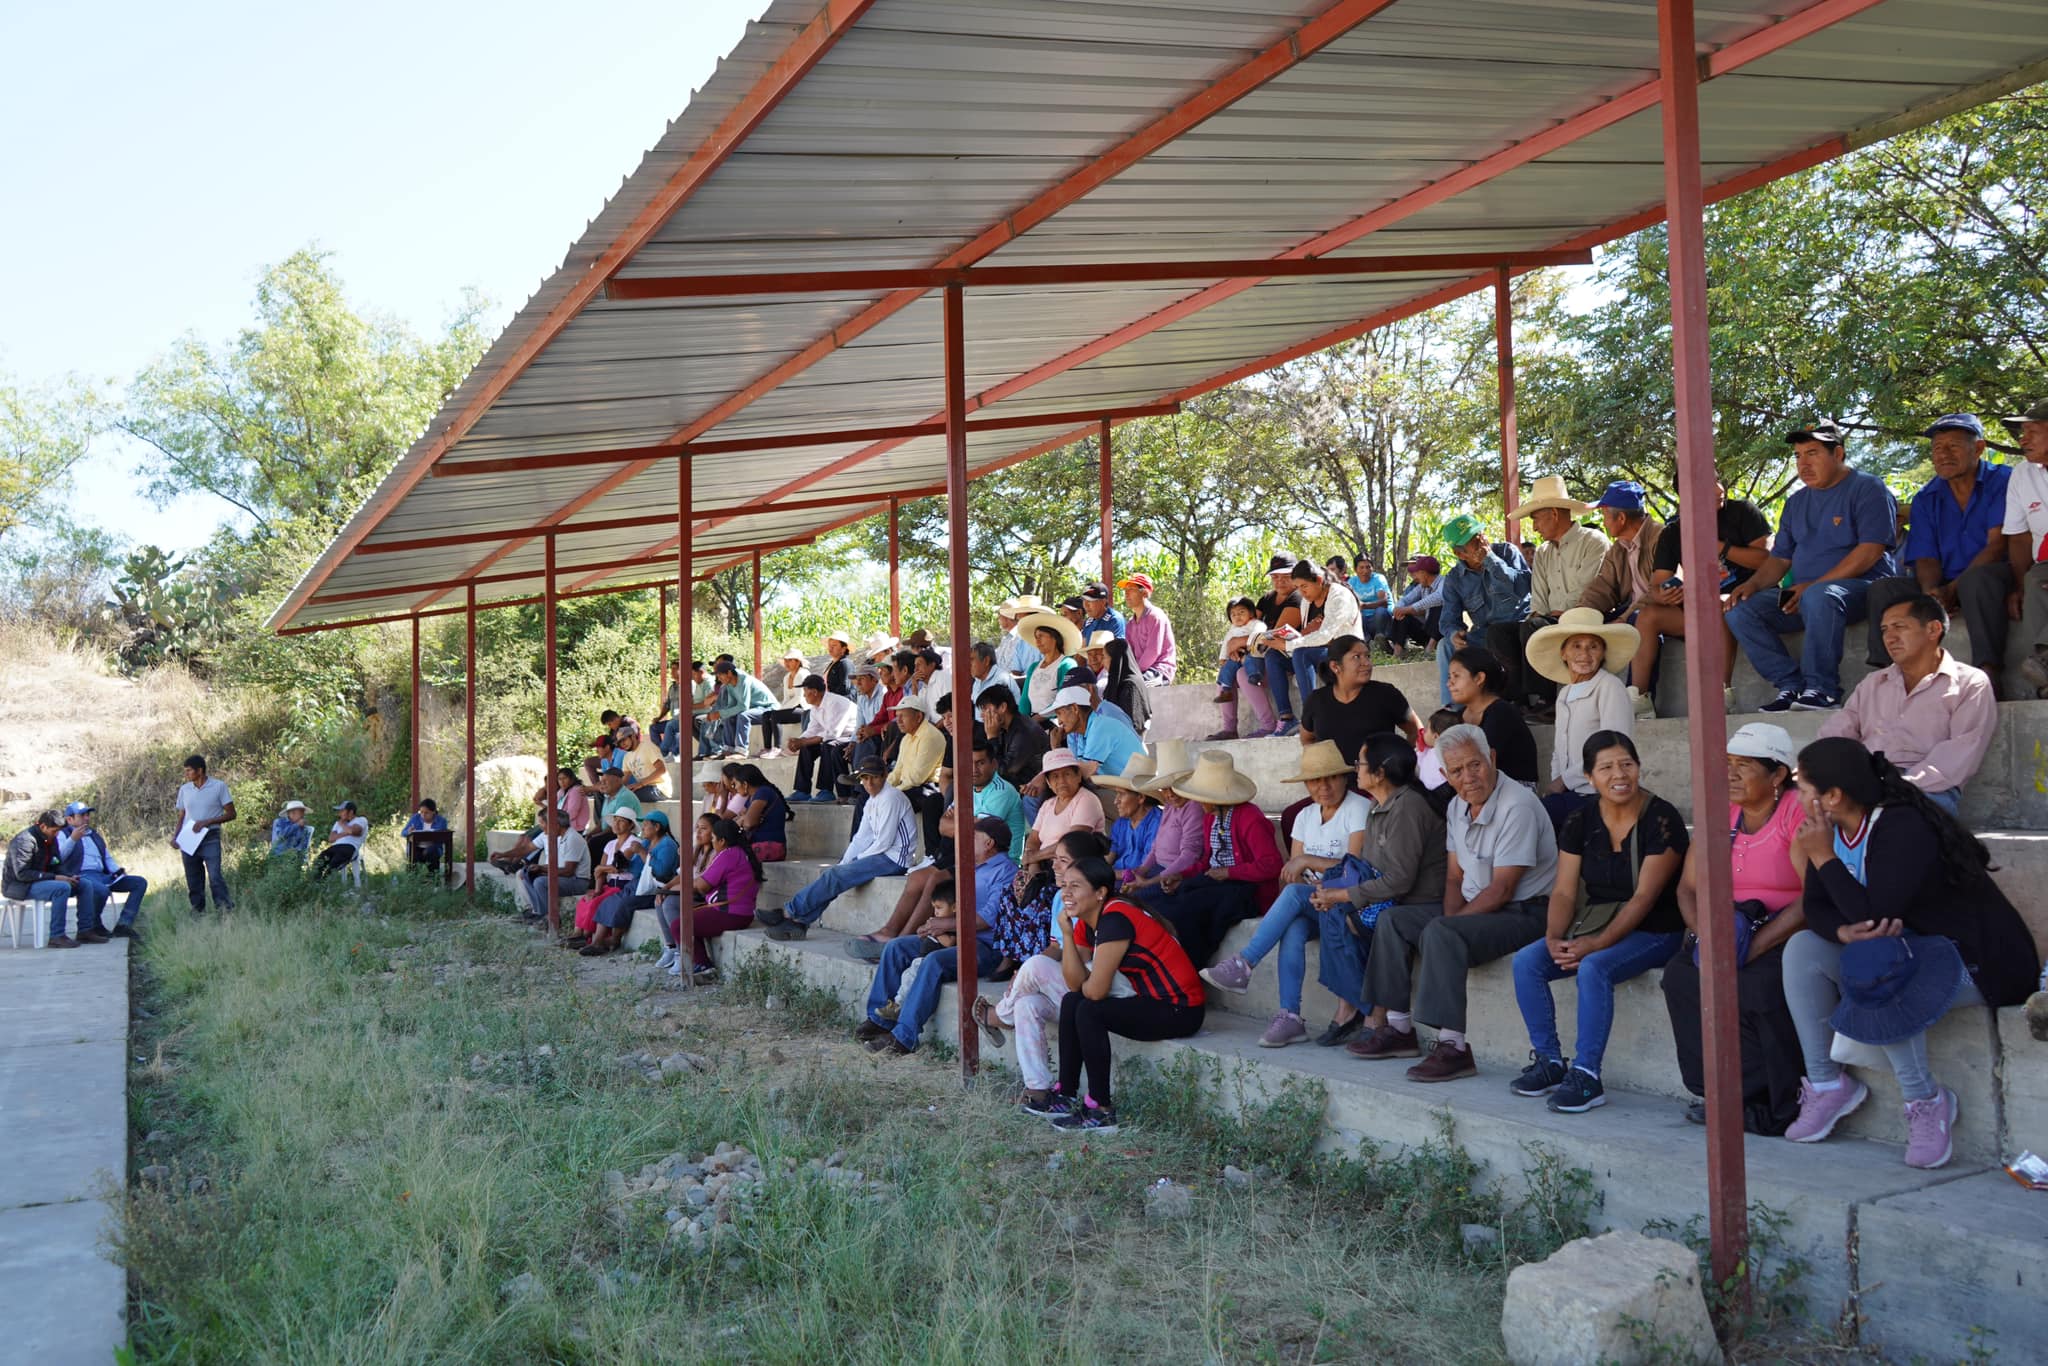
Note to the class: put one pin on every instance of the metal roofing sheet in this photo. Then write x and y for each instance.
(907, 132)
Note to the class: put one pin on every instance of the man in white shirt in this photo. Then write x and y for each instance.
(640, 759)
(883, 845)
(572, 870)
(822, 747)
(204, 806)
(2026, 542)
(345, 838)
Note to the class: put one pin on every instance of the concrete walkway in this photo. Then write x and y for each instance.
(63, 1135)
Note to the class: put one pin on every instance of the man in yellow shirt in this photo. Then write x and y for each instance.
(918, 760)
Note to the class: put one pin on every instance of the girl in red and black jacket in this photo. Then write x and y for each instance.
(1103, 936)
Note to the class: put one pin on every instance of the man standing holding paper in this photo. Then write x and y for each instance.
(204, 806)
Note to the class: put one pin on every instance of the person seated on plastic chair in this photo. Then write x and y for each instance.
(426, 837)
(34, 872)
(100, 879)
(346, 835)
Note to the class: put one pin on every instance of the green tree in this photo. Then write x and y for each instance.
(1195, 482)
(304, 411)
(44, 433)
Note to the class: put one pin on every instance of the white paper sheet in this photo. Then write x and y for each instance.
(190, 837)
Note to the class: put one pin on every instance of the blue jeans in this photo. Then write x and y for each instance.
(103, 889)
(1825, 611)
(1950, 801)
(1376, 622)
(1226, 672)
(1598, 974)
(666, 735)
(941, 966)
(1272, 670)
(1289, 923)
(58, 894)
(202, 871)
(810, 903)
(1307, 659)
(737, 731)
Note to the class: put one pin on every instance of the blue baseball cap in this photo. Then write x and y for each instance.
(77, 809)
(1623, 495)
(1957, 422)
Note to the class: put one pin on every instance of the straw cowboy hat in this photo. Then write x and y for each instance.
(1023, 605)
(1546, 647)
(881, 642)
(1069, 634)
(1550, 492)
(1138, 772)
(1320, 760)
(1216, 781)
(1171, 762)
(1099, 640)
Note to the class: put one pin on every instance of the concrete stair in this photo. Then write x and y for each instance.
(1875, 1233)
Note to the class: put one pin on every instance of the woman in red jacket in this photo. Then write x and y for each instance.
(1238, 873)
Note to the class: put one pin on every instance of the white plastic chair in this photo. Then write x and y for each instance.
(353, 870)
(13, 913)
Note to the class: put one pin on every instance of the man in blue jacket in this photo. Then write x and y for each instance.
(84, 852)
(1488, 586)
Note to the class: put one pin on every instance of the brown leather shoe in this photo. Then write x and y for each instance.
(1446, 1062)
(94, 937)
(63, 941)
(1385, 1042)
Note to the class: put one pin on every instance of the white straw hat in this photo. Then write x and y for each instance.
(1546, 647)
(1216, 781)
(1138, 772)
(1550, 492)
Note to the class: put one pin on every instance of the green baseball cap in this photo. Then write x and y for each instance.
(1460, 530)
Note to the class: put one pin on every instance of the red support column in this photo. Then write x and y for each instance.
(1510, 446)
(895, 572)
(1705, 651)
(963, 640)
(661, 644)
(756, 614)
(415, 727)
(469, 741)
(686, 735)
(1108, 486)
(553, 757)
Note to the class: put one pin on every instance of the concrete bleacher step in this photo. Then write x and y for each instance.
(1874, 1232)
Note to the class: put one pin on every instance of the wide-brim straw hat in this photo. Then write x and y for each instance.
(1023, 605)
(1321, 760)
(1550, 492)
(877, 643)
(1099, 640)
(1216, 781)
(1069, 634)
(1139, 771)
(1171, 762)
(710, 771)
(1546, 647)
(842, 638)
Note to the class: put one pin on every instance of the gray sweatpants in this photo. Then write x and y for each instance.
(1813, 988)
(1450, 946)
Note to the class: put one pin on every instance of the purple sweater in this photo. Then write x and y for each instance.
(1178, 845)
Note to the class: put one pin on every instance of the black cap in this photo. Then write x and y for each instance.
(1072, 604)
(996, 828)
(1282, 563)
(1829, 432)
(871, 764)
(1097, 591)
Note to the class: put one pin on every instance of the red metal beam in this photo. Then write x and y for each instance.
(805, 50)
(1504, 361)
(1107, 489)
(1227, 89)
(468, 742)
(415, 727)
(963, 640)
(1693, 424)
(902, 431)
(895, 571)
(553, 823)
(1078, 273)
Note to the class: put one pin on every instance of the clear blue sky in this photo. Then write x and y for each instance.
(159, 157)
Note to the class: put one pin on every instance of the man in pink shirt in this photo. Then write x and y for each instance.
(1928, 712)
(1148, 633)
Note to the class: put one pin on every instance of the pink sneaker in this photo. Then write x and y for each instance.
(1287, 1028)
(1232, 974)
(1820, 1111)
(1929, 1141)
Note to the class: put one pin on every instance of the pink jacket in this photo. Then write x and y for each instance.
(1258, 851)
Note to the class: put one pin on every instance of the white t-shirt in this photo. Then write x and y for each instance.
(205, 801)
(1332, 838)
(2026, 506)
(572, 856)
(351, 832)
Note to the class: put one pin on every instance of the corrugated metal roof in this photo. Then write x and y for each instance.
(902, 133)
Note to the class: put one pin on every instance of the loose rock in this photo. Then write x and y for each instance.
(523, 1286)
(1168, 1199)
(1479, 1238)
(1621, 1297)
(156, 1173)
(1236, 1177)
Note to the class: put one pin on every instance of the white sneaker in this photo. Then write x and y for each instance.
(1645, 706)
(675, 969)
(668, 958)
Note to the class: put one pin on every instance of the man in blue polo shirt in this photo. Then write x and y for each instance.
(1102, 743)
(1836, 535)
(1955, 544)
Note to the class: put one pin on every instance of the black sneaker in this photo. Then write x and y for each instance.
(1051, 1105)
(789, 930)
(866, 1030)
(1342, 1032)
(125, 932)
(1782, 702)
(1696, 1112)
(1580, 1092)
(1539, 1078)
(1813, 699)
(1086, 1119)
(768, 915)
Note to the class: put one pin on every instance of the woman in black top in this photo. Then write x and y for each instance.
(1352, 705)
(1622, 850)
(1474, 675)
(1899, 896)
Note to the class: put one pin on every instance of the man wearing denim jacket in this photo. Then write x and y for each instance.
(1488, 586)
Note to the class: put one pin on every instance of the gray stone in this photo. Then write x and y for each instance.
(155, 1136)
(1055, 1162)
(696, 1197)
(198, 1185)
(1237, 1178)
(1479, 1238)
(1620, 1298)
(1078, 1224)
(155, 1174)
(773, 1003)
(1168, 1199)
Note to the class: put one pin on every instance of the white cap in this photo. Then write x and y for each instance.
(1762, 740)
(916, 704)
(1073, 697)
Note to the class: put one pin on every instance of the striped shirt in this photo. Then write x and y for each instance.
(888, 826)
